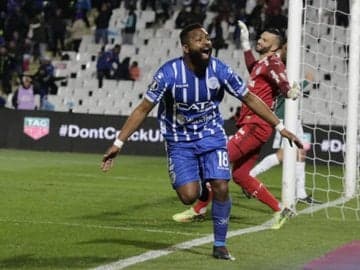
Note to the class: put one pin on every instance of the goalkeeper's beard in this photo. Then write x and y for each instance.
(262, 50)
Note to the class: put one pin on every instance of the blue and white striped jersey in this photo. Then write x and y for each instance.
(188, 104)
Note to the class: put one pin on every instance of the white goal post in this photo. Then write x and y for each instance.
(324, 60)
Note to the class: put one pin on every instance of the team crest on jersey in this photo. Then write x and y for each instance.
(213, 83)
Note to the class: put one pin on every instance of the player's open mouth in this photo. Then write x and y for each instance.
(206, 52)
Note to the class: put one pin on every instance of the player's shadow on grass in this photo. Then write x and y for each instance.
(130, 210)
(255, 206)
(151, 244)
(31, 261)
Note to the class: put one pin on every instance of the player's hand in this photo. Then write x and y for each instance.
(294, 91)
(108, 159)
(244, 36)
(292, 138)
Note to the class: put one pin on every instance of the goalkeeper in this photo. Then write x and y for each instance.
(276, 158)
(267, 78)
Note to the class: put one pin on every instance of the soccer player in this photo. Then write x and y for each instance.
(188, 90)
(267, 79)
(276, 158)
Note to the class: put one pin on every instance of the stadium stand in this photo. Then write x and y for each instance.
(156, 42)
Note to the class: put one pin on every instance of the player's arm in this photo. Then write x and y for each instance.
(132, 123)
(245, 45)
(277, 75)
(261, 109)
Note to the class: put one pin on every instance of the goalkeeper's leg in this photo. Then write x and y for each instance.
(252, 185)
(244, 149)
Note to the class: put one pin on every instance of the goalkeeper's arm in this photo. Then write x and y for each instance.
(277, 75)
(245, 45)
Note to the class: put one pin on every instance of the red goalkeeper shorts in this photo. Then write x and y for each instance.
(247, 141)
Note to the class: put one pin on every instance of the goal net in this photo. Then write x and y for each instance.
(324, 107)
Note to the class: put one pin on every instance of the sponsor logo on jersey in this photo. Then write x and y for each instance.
(198, 106)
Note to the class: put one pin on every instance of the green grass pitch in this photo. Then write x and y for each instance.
(59, 211)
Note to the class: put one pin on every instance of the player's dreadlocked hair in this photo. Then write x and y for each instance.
(186, 30)
(280, 35)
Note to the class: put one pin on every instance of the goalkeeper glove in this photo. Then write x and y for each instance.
(244, 36)
(294, 91)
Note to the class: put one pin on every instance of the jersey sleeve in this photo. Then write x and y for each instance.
(160, 83)
(232, 82)
(277, 75)
(250, 60)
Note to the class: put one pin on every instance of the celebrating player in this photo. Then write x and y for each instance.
(267, 79)
(188, 90)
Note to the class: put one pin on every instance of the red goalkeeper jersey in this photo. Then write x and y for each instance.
(267, 80)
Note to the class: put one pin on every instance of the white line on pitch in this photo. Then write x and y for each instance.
(121, 264)
(99, 227)
(88, 175)
(318, 207)
(153, 254)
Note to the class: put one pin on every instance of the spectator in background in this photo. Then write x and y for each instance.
(216, 35)
(102, 23)
(107, 64)
(38, 34)
(134, 71)
(257, 18)
(45, 78)
(130, 4)
(122, 72)
(273, 7)
(46, 105)
(203, 5)
(164, 12)
(17, 21)
(276, 20)
(5, 70)
(184, 17)
(24, 97)
(130, 27)
(15, 46)
(58, 29)
(83, 7)
(239, 15)
(77, 30)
